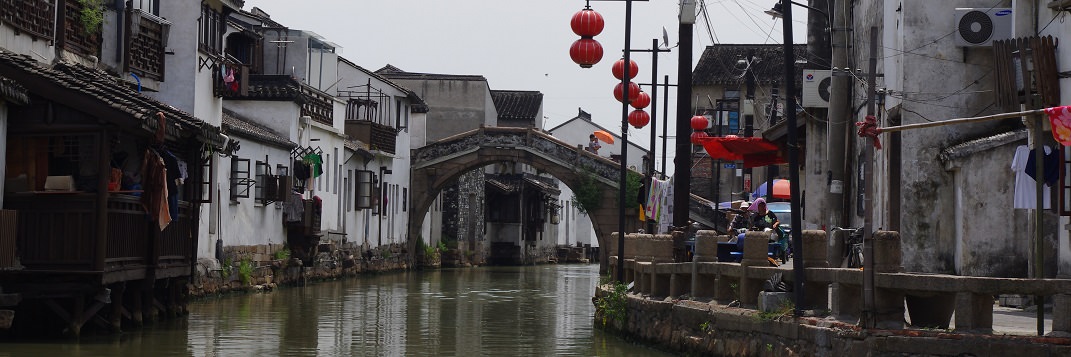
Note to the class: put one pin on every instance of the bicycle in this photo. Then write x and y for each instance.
(853, 247)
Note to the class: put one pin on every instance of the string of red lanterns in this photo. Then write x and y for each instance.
(587, 24)
(699, 124)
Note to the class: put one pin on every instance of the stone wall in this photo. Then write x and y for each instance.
(698, 328)
(266, 271)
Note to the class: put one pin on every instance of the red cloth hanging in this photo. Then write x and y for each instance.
(754, 152)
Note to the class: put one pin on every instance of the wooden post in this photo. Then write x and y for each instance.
(103, 176)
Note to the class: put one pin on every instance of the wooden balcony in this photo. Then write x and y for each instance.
(378, 136)
(57, 233)
(146, 41)
(33, 17)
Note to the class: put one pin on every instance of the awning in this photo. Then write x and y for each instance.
(753, 152)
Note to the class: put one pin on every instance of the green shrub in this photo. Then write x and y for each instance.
(91, 15)
(245, 271)
(613, 306)
(282, 254)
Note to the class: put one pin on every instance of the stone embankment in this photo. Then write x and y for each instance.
(710, 329)
(255, 268)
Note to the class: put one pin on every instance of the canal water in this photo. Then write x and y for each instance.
(489, 311)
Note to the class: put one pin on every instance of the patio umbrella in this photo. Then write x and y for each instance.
(781, 189)
(754, 152)
(604, 136)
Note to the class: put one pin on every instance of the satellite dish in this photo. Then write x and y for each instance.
(665, 37)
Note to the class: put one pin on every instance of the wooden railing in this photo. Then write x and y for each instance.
(317, 105)
(34, 17)
(57, 231)
(147, 40)
(76, 37)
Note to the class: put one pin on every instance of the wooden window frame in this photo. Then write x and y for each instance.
(240, 181)
(363, 193)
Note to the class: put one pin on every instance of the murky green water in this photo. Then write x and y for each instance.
(492, 311)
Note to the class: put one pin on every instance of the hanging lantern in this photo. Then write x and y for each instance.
(633, 92)
(697, 136)
(619, 69)
(586, 52)
(639, 118)
(699, 122)
(587, 23)
(642, 101)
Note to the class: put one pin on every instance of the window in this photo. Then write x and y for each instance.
(211, 30)
(263, 173)
(363, 192)
(240, 181)
(208, 177)
(397, 113)
(405, 198)
(149, 6)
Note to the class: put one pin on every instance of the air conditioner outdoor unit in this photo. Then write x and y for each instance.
(816, 88)
(981, 26)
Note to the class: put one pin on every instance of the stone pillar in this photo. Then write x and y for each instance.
(726, 288)
(889, 303)
(756, 244)
(974, 312)
(815, 246)
(847, 299)
(706, 246)
(1061, 315)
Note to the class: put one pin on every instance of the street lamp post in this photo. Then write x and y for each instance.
(655, 49)
(785, 8)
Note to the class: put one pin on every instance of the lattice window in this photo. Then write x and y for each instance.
(36, 18)
(79, 36)
(147, 42)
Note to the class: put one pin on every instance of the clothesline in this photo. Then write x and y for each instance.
(962, 120)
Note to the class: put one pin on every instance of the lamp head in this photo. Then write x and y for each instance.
(775, 12)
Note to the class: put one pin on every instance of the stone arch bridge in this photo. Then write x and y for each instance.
(440, 163)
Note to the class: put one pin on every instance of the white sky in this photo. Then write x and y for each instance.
(524, 44)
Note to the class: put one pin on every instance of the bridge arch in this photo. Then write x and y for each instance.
(439, 164)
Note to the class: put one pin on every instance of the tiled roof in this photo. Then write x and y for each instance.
(718, 64)
(396, 73)
(236, 124)
(523, 105)
(13, 92)
(273, 87)
(359, 147)
(77, 79)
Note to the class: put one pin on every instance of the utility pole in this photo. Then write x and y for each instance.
(869, 314)
(749, 113)
(837, 124)
(682, 162)
(665, 117)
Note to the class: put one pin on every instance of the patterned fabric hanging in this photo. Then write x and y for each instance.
(1060, 118)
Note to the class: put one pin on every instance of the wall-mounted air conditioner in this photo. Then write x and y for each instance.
(981, 26)
(816, 88)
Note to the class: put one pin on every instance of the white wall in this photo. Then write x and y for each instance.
(1060, 27)
(40, 50)
(574, 226)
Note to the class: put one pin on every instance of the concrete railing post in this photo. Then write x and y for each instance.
(1061, 315)
(814, 256)
(756, 244)
(706, 246)
(888, 303)
(974, 312)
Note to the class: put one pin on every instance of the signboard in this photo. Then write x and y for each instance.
(747, 182)
(730, 165)
(734, 122)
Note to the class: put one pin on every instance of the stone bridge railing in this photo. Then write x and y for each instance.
(527, 139)
(931, 299)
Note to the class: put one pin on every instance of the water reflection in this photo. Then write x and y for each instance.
(530, 311)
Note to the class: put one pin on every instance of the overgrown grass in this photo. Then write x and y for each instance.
(245, 271)
(785, 310)
(613, 306)
(282, 254)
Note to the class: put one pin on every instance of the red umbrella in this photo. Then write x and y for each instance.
(754, 152)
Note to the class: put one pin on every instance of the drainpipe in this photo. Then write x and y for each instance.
(120, 11)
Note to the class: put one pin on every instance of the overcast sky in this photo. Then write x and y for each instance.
(524, 44)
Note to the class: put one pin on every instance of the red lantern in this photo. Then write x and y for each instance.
(697, 136)
(642, 101)
(587, 23)
(633, 92)
(699, 122)
(639, 118)
(619, 69)
(586, 52)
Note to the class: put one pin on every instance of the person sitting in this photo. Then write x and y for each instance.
(742, 220)
(762, 219)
